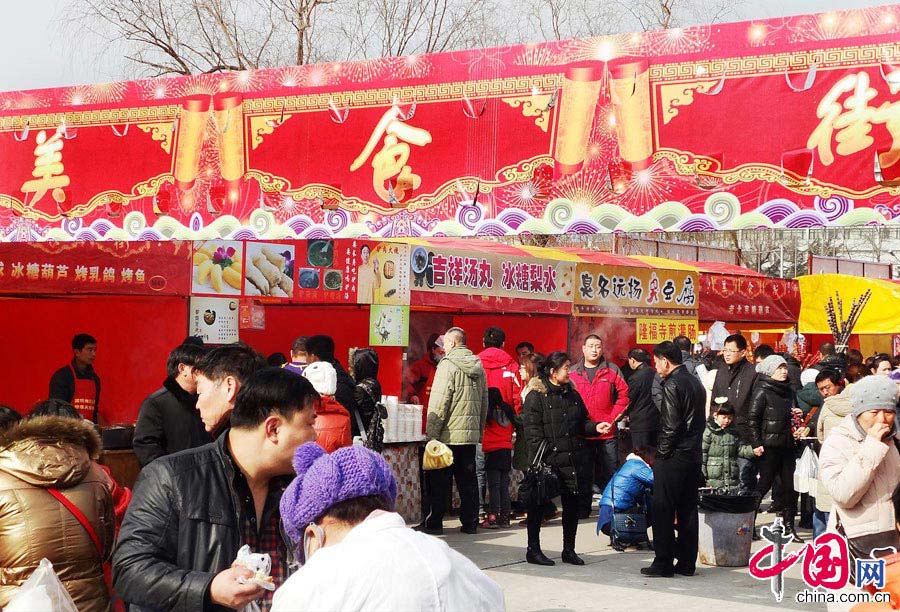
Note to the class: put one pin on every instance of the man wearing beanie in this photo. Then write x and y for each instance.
(332, 419)
(860, 467)
(192, 510)
(358, 554)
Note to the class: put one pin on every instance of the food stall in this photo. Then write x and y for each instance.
(874, 327)
(761, 308)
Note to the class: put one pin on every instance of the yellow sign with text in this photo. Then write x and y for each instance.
(654, 331)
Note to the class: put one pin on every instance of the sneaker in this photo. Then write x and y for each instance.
(490, 522)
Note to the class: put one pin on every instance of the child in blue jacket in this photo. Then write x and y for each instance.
(630, 487)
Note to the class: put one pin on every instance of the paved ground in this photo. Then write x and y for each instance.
(610, 580)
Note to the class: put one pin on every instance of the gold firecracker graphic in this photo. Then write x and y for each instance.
(630, 91)
(578, 104)
(229, 111)
(191, 132)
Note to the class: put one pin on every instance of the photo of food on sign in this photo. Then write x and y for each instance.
(269, 270)
(217, 267)
(383, 273)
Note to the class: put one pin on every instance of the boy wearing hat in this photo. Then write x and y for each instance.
(358, 554)
(332, 419)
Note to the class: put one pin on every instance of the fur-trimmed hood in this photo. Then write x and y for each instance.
(536, 384)
(49, 451)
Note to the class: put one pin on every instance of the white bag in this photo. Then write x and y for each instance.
(261, 566)
(42, 591)
(807, 472)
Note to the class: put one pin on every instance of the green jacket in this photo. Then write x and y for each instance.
(721, 448)
(458, 406)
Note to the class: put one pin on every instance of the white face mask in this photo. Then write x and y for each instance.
(319, 534)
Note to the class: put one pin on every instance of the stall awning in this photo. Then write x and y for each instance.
(878, 317)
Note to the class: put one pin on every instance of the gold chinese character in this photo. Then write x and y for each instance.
(853, 121)
(391, 160)
(62, 271)
(33, 270)
(81, 273)
(127, 275)
(48, 168)
(1, 269)
(95, 274)
(139, 276)
(109, 275)
(47, 271)
(18, 270)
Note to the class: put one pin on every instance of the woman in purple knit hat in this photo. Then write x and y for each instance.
(359, 554)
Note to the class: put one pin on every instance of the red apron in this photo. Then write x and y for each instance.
(85, 397)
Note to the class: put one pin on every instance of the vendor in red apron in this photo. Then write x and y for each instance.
(77, 382)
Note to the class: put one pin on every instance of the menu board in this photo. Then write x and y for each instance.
(215, 320)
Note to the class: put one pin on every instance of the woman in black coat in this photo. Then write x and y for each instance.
(772, 434)
(367, 392)
(555, 413)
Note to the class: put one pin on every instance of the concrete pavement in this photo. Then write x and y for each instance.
(610, 580)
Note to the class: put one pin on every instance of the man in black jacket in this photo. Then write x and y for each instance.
(644, 395)
(220, 375)
(321, 348)
(168, 420)
(735, 381)
(677, 470)
(193, 510)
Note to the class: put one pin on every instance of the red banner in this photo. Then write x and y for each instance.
(669, 130)
(728, 298)
(119, 268)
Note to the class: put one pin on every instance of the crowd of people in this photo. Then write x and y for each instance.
(282, 455)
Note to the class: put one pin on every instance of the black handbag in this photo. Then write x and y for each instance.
(628, 524)
(541, 482)
(871, 546)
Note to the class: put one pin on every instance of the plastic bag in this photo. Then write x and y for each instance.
(807, 472)
(261, 566)
(42, 591)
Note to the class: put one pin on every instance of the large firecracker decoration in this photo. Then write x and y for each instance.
(789, 123)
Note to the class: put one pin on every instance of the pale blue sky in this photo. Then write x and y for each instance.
(33, 54)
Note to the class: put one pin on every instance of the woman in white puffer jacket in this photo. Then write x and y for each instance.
(859, 463)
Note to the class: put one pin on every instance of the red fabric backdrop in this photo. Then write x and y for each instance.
(546, 333)
(348, 325)
(134, 334)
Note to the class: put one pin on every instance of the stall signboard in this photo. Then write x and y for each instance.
(214, 319)
(635, 292)
(321, 271)
(440, 272)
(895, 344)
(654, 331)
(600, 134)
(388, 325)
(114, 268)
(726, 297)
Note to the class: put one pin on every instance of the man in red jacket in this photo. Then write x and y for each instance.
(501, 369)
(421, 373)
(501, 372)
(605, 394)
